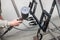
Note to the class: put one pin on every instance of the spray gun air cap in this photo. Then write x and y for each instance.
(25, 12)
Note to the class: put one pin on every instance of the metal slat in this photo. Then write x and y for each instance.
(58, 6)
(15, 7)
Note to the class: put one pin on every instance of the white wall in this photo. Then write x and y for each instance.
(9, 13)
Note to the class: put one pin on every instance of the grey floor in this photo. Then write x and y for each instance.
(28, 35)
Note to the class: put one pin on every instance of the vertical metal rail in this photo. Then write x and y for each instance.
(32, 13)
(52, 8)
(41, 5)
(15, 7)
(42, 11)
(45, 13)
(31, 4)
(58, 7)
(51, 11)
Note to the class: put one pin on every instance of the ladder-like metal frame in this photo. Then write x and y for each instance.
(47, 20)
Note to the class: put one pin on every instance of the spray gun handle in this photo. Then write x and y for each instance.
(19, 19)
(10, 28)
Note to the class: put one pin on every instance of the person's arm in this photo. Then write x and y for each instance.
(5, 23)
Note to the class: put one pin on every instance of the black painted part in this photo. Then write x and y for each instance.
(48, 15)
(34, 9)
(39, 34)
(25, 16)
(47, 21)
(35, 6)
(31, 4)
(35, 18)
(52, 8)
(41, 5)
(30, 19)
(32, 13)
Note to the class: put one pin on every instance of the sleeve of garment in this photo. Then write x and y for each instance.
(4, 23)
